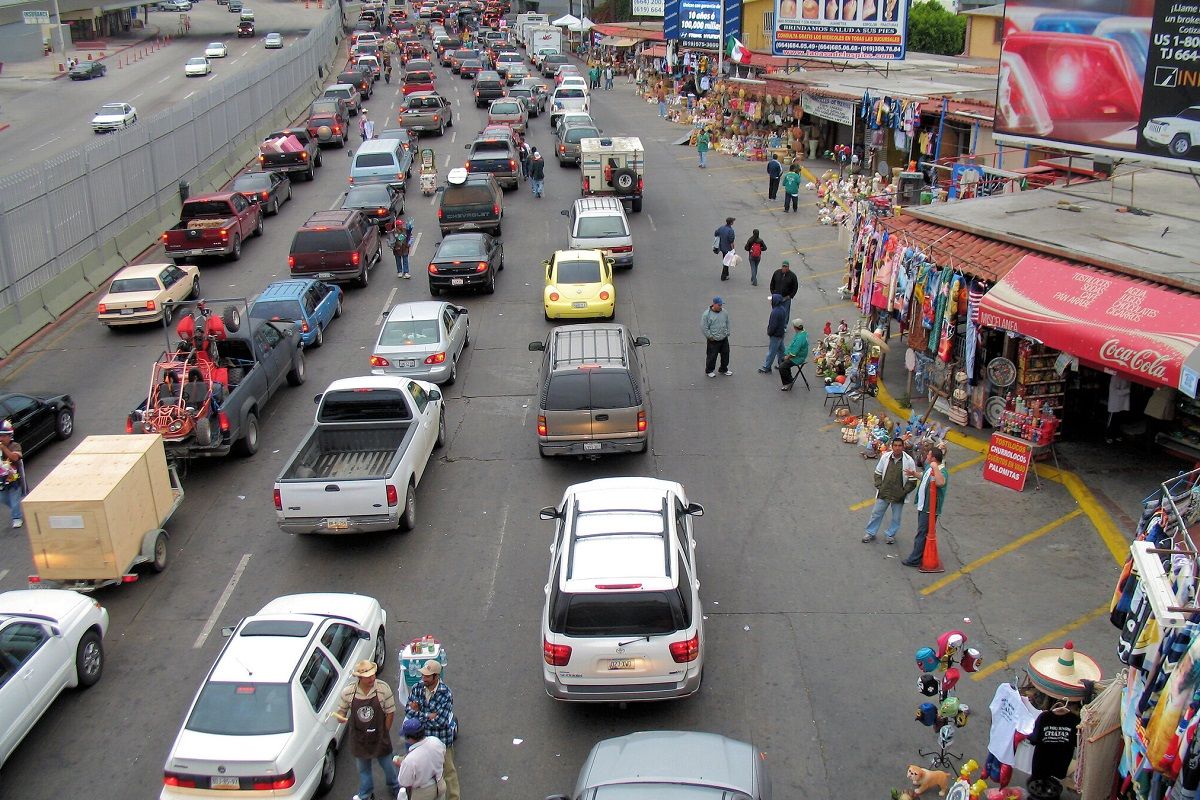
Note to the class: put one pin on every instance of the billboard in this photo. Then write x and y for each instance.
(647, 8)
(697, 24)
(868, 29)
(1120, 77)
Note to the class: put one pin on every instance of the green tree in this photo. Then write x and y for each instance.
(933, 29)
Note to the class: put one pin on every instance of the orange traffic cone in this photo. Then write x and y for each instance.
(930, 561)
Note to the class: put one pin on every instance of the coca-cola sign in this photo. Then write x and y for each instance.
(1137, 360)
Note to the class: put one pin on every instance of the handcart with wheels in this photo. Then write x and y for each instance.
(429, 172)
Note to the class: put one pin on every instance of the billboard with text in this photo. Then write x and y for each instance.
(866, 29)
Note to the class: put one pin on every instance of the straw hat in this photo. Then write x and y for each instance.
(365, 669)
(1060, 672)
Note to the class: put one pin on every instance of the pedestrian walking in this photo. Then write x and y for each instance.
(935, 478)
(537, 173)
(661, 94)
(702, 142)
(433, 703)
(774, 173)
(794, 356)
(776, 329)
(608, 78)
(723, 243)
(362, 125)
(784, 282)
(12, 474)
(895, 478)
(401, 247)
(714, 324)
(422, 768)
(791, 189)
(594, 77)
(755, 247)
(523, 154)
(370, 707)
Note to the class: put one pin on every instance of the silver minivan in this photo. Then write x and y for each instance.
(599, 223)
(381, 161)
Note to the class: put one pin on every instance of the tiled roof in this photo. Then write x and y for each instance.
(974, 255)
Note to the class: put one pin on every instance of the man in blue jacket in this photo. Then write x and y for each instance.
(776, 328)
(724, 244)
(774, 173)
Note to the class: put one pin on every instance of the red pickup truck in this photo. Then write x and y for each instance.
(213, 225)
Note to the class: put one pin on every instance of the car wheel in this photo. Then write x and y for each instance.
(273, 208)
(318, 160)
(442, 129)
(89, 659)
(408, 519)
(453, 373)
(298, 372)
(159, 562)
(365, 277)
(441, 434)
(320, 339)
(337, 311)
(64, 424)
(490, 286)
(328, 771)
(258, 228)
(636, 204)
(168, 313)
(236, 253)
(1180, 144)
(433, 290)
(248, 444)
(288, 196)
(380, 654)
(308, 176)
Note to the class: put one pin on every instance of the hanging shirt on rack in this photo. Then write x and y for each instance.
(1053, 738)
(1011, 714)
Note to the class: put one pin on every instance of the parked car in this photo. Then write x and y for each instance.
(622, 619)
(311, 304)
(113, 117)
(245, 30)
(213, 225)
(143, 293)
(579, 284)
(269, 190)
(422, 340)
(336, 246)
(466, 260)
(508, 111)
(216, 50)
(263, 714)
(86, 70)
(197, 67)
(380, 202)
(38, 419)
(273, 41)
(50, 640)
(426, 111)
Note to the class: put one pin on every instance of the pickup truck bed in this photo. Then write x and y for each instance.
(350, 454)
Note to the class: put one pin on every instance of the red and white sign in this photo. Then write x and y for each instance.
(1142, 329)
(1008, 461)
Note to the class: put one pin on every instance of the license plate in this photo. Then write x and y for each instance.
(578, 304)
(126, 312)
(218, 782)
(408, 362)
(334, 524)
(456, 281)
(622, 663)
(324, 275)
(591, 445)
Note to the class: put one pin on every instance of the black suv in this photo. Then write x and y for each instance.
(470, 203)
(488, 86)
(336, 246)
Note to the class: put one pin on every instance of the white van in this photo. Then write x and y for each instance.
(599, 223)
(381, 161)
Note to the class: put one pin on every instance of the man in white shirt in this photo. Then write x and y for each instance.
(895, 477)
(421, 770)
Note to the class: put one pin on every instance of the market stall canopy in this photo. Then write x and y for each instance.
(584, 24)
(1142, 329)
(567, 20)
(617, 41)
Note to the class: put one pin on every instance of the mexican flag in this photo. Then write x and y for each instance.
(737, 52)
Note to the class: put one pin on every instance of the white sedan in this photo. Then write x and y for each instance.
(199, 66)
(216, 50)
(50, 639)
(114, 117)
(274, 41)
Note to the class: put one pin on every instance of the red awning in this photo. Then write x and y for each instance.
(655, 51)
(1142, 329)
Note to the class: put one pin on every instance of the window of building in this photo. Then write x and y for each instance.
(998, 30)
(768, 22)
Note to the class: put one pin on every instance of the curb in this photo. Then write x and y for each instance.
(118, 51)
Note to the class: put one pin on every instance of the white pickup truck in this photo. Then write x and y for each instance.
(358, 469)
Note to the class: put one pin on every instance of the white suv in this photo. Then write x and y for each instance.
(1179, 133)
(261, 720)
(622, 619)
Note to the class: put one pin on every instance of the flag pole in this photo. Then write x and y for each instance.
(721, 37)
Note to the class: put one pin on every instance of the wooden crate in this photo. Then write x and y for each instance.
(86, 519)
(155, 463)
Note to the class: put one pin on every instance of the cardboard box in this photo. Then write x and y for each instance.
(154, 463)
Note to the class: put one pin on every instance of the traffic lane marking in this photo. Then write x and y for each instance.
(838, 271)
(43, 144)
(843, 304)
(970, 462)
(1005, 549)
(1052, 638)
(387, 304)
(221, 601)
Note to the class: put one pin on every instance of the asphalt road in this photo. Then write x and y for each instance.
(51, 117)
(810, 635)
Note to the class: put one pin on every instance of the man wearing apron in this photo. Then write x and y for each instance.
(371, 706)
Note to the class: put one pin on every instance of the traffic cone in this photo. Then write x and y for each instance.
(930, 561)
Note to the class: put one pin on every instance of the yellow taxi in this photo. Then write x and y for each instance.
(579, 285)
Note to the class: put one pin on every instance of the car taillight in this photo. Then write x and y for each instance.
(304, 156)
(481, 266)
(380, 361)
(392, 496)
(337, 130)
(224, 233)
(304, 326)
(223, 421)
(181, 781)
(554, 297)
(278, 500)
(541, 425)
(291, 262)
(587, 184)
(556, 655)
(641, 422)
(436, 358)
(150, 305)
(562, 148)
(439, 214)
(263, 195)
(129, 424)
(623, 249)
(683, 652)
(269, 783)
(164, 237)
(102, 309)
(262, 159)
(477, 93)
(350, 181)
(355, 258)
(639, 185)
(512, 165)
(496, 209)
(604, 295)
(382, 211)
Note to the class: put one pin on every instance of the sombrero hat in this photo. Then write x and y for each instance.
(1060, 672)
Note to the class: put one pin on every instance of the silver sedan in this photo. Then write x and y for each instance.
(422, 340)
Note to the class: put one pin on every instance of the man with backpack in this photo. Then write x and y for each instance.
(755, 247)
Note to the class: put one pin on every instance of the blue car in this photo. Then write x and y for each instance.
(311, 303)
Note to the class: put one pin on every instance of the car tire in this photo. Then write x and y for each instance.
(380, 654)
(236, 253)
(636, 204)
(337, 311)
(159, 562)
(258, 228)
(232, 319)
(288, 196)
(365, 277)
(64, 424)
(328, 772)
(299, 371)
(168, 313)
(89, 659)
(1180, 145)
(623, 180)
(273, 208)
(490, 286)
(317, 161)
(440, 442)
(319, 339)
(442, 129)
(308, 176)
(248, 444)
(434, 291)
(408, 518)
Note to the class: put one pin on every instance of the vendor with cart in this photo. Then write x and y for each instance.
(429, 172)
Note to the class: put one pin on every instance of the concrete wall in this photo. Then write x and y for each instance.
(20, 42)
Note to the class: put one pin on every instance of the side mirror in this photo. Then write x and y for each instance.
(349, 153)
(641, 341)
(549, 512)
(537, 346)
(694, 510)
(317, 398)
(435, 395)
(228, 630)
(466, 147)
(564, 212)
(364, 635)
(462, 310)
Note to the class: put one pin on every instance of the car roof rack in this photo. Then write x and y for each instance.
(584, 344)
(665, 533)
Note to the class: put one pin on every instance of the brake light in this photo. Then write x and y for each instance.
(102, 309)
(436, 358)
(562, 148)
(683, 652)
(304, 326)
(392, 496)
(224, 232)
(304, 156)
(129, 424)
(481, 266)
(181, 781)
(496, 208)
(618, 586)
(278, 500)
(350, 181)
(150, 306)
(436, 117)
(556, 655)
(399, 177)
(355, 258)
(291, 262)
(512, 165)
(223, 421)
(641, 425)
(262, 159)
(164, 237)
(337, 130)
(263, 195)
(467, 164)
(554, 297)
(439, 214)
(380, 361)
(381, 211)
(623, 249)
(587, 185)
(34, 579)
(274, 782)
(541, 425)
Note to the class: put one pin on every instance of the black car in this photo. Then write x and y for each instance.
(470, 67)
(488, 86)
(379, 202)
(38, 419)
(466, 260)
(268, 189)
(86, 70)
(359, 79)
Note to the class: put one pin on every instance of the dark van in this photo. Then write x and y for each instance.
(337, 246)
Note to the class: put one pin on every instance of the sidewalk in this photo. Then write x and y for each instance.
(47, 67)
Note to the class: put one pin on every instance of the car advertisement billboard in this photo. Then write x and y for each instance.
(696, 24)
(1120, 77)
(869, 29)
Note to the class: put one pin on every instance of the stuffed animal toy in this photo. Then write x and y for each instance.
(925, 779)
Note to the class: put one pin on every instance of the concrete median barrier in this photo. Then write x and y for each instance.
(65, 290)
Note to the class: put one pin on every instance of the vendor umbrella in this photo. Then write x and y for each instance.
(567, 20)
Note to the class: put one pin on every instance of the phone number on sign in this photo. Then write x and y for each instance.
(1167, 54)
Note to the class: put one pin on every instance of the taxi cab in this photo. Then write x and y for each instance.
(579, 285)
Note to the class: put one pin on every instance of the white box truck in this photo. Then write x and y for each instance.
(543, 40)
(527, 20)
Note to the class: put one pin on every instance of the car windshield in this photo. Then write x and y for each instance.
(506, 108)
(196, 62)
(409, 332)
(110, 110)
(215, 45)
(368, 196)
(252, 182)
(459, 248)
(592, 227)
(277, 309)
(242, 709)
(346, 93)
(578, 272)
(423, 102)
(575, 135)
(619, 614)
(418, 77)
(133, 285)
(569, 93)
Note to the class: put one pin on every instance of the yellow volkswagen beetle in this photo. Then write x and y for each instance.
(579, 285)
